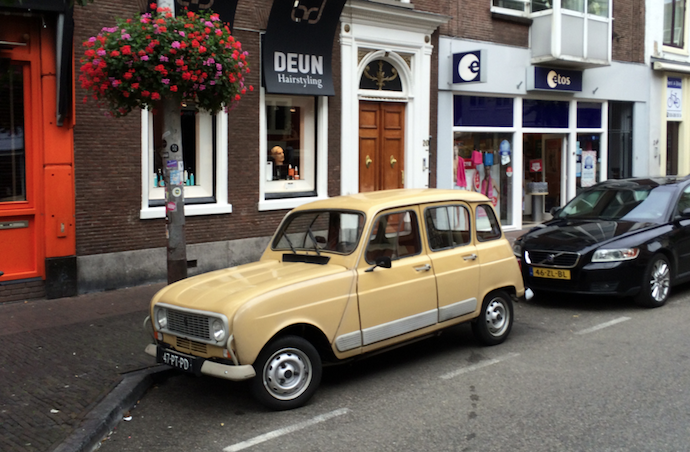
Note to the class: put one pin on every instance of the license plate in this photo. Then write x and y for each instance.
(177, 360)
(549, 273)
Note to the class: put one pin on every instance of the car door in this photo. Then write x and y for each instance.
(453, 258)
(397, 300)
(680, 235)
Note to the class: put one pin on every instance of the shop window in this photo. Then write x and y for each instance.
(447, 227)
(12, 144)
(588, 115)
(290, 160)
(588, 160)
(620, 158)
(204, 146)
(674, 23)
(476, 111)
(483, 162)
(545, 113)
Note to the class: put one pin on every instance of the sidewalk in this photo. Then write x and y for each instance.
(70, 367)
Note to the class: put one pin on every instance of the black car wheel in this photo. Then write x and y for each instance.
(288, 371)
(495, 319)
(656, 285)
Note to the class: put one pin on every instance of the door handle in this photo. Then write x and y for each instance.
(368, 161)
(423, 268)
(393, 162)
(470, 257)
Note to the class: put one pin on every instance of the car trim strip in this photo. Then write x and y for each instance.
(457, 309)
(349, 341)
(397, 327)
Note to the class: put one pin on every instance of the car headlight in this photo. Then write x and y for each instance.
(527, 258)
(517, 249)
(161, 318)
(218, 330)
(623, 254)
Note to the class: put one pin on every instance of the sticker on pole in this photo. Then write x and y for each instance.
(177, 192)
(171, 207)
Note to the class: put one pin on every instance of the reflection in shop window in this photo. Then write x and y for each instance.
(198, 144)
(12, 150)
(291, 149)
(588, 157)
(483, 162)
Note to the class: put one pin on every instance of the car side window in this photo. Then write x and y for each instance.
(447, 227)
(395, 235)
(684, 201)
(486, 224)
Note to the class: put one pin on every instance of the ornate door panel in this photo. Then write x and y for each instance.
(381, 145)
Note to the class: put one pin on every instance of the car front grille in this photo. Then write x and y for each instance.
(189, 324)
(183, 344)
(556, 259)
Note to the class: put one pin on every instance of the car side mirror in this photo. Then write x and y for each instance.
(554, 211)
(685, 213)
(381, 261)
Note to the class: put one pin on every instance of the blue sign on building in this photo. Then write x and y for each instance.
(553, 79)
(469, 67)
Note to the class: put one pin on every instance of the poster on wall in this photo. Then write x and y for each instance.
(589, 168)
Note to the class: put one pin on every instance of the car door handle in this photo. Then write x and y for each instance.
(470, 257)
(423, 268)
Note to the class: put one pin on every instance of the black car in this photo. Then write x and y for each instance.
(628, 237)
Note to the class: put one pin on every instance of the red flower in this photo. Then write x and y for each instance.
(145, 94)
(126, 50)
(237, 97)
(153, 6)
(173, 88)
(114, 53)
(127, 75)
(135, 85)
(155, 96)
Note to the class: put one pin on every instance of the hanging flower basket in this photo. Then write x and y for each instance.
(190, 58)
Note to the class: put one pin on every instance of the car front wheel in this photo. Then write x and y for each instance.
(656, 284)
(495, 319)
(288, 371)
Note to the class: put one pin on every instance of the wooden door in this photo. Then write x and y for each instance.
(381, 145)
(552, 171)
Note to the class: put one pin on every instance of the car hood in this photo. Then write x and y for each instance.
(223, 291)
(578, 235)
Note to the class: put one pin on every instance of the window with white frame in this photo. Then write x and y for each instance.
(674, 23)
(515, 7)
(290, 136)
(204, 146)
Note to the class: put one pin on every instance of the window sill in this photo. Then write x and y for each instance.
(510, 16)
(286, 203)
(190, 210)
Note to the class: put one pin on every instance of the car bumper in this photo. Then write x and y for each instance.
(214, 369)
(621, 279)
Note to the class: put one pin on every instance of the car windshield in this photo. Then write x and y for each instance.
(644, 203)
(319, 231)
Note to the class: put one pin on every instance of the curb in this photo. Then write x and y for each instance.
(108, 413)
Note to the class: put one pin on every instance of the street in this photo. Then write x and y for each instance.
(576, 374)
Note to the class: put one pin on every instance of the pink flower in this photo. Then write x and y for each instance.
(176, 44)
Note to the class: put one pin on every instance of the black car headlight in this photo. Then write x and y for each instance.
(622, 254)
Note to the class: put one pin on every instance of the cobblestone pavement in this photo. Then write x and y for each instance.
(70, 367)
(60, 358)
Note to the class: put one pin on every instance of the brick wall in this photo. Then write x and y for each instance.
(628, 30)
(22, 290)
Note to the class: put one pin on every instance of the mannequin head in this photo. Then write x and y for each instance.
(278, 155)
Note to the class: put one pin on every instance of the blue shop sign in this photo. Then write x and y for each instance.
(553, 79)
(469, 67)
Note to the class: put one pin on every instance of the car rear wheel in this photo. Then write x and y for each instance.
(656, 284)
(288, 371)
(495, 319)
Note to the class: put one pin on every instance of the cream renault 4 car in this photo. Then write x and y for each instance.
(342, 277)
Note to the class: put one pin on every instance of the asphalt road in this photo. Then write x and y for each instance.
(576, 374)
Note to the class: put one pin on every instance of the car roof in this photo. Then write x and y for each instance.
(385, 199)
(642, 181)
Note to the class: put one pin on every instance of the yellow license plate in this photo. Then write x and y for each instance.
(549, 273)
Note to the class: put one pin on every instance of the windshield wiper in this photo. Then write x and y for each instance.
(313, 240)
(290, 243)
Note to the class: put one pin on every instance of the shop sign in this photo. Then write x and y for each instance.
(674, 94)
(589, 168)
(297, 47)
(553, 79)
(469, 67)
(535, 166)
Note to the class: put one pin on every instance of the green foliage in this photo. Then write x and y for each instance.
(192, 58)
